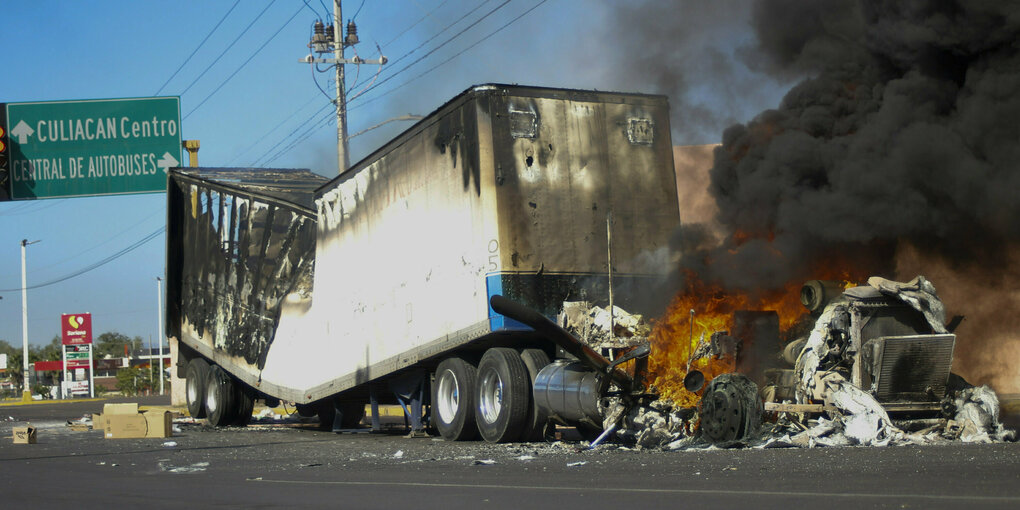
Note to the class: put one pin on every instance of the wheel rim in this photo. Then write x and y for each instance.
(491, 393)
(211, 402)
(448, 395)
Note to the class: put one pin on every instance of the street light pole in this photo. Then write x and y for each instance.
(159, 327)
(26, 389)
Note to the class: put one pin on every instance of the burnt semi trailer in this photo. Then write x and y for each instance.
(285, 286)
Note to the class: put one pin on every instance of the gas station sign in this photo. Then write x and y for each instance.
(76, 329)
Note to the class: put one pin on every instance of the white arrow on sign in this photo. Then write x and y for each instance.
(22, 131)
(167, 162)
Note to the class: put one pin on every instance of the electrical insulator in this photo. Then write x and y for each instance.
(329, 33)
(352, 34)
(319, 42)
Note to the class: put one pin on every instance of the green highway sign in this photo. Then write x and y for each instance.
(94, 147)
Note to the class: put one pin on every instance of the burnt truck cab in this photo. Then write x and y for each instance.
(887, 339)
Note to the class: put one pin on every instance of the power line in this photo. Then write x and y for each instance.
(231, 45)
(437, 66)
(120, 232)
(272, 130)
(260, 48)
(355, 12)
(198, 47)
(305, 134)
(444, 43)
(310, 7)
(441, 32)
(295, 130)
(96, 265)
(323, 121)
(423, 18)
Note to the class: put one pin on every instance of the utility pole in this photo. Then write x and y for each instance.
(159, 327)
(26, 388)
(342, 157)
(325, 40)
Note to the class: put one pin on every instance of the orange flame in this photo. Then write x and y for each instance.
(674, 340)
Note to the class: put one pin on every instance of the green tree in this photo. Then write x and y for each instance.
(50, 352)
(111, 345)
(133, 381)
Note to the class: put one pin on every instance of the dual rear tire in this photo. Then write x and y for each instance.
(492, 399)
(217, 396)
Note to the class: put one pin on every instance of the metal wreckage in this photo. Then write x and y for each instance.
(427, 273)
(873, 370)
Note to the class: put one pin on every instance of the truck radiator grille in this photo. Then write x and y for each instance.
(906, 366)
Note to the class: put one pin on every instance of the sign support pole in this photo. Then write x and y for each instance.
(63, 381)
(26, 387)
(92, 375)
(159, 327)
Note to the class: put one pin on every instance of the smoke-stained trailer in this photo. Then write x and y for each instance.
(521, 192)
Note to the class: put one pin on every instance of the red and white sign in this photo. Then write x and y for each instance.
(76, 328)
(78, 363)
(78, 387)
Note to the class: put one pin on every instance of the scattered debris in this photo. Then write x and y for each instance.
(170, 444)
(193, 468)
(577, 464)
(399, 454)
(847, 382)
(483, 462)
(977, 417)
(598, 328)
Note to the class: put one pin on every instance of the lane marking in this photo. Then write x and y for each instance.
(940, 497)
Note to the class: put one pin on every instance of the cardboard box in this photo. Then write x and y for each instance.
(24, 435)
(159, 423)
(121, 421)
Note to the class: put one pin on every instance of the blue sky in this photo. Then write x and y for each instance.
(269, 112)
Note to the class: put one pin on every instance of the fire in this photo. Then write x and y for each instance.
(674, 338)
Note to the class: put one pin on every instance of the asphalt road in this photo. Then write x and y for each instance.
(295, 465)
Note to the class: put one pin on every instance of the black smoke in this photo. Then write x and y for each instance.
(906, 130)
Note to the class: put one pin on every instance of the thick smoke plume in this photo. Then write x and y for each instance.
(900, 149)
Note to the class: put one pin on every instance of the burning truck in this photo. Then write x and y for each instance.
(428, 275)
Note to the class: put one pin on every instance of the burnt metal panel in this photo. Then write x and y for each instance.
(909, 367)
(235, 249)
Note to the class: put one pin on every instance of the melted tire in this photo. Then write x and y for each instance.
(220, 397)
(536, 421)
(194, 381)
(502, 396)
(453, 399)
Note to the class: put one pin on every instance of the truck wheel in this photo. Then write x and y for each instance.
(220, 397)
(245, 399)
(535, 423)
(730, 409)
(502, 396)
(194, 382)
(453, 398)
